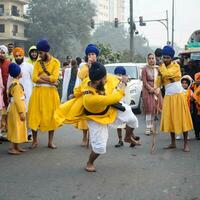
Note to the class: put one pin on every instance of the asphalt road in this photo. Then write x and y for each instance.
(122, 174)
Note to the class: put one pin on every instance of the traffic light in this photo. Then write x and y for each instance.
(142, 23)
(116, 22)
(92, 23)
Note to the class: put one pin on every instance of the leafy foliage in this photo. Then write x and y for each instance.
(65, 23)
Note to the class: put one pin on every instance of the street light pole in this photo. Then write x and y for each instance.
(172, 23)
(131, 31)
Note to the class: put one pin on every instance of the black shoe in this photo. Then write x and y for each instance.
(3, 139)
(120, 144)
(132, 145)
(29, 137)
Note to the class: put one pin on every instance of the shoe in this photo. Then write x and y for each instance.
(120, 144)
(29, 137)
(132, 145)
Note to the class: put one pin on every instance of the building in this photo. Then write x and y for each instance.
(12, 22)
(108, 10)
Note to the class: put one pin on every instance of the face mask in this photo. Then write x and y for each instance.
(19, 61)
(100, 87)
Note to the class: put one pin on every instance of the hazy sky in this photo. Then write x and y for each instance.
(187, 19)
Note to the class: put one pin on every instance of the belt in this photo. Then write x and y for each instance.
(100, 113)
(44, 85)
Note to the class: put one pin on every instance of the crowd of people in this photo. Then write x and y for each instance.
(91, 99)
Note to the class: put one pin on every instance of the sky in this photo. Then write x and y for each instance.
(187, 19)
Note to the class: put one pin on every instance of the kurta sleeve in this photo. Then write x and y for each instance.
(55, 72)
(83, 72)
(101, 100)
(35, 77)
(16, 93)
(171, 72)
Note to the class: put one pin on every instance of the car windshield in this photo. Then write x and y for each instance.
(131, 71)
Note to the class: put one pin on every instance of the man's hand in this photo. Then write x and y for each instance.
(22, 116)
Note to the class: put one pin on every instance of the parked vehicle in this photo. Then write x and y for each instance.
(133, 70)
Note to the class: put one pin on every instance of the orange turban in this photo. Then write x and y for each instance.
(18, 50)
(197, 76)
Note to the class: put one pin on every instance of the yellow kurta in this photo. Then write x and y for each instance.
(176, 116)
(44, 99)
(17, 130)
(73, 110)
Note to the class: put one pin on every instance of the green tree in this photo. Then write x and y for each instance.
(64, 23)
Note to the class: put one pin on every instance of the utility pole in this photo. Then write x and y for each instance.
(132, 29)
(172, 23)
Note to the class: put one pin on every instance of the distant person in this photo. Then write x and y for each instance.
(196, 105)
(79, 61)
(151, 98)
(70, 81)
(10, 46)
(4, 65)
(33, 55)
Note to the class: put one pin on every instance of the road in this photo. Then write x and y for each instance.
(122, 174)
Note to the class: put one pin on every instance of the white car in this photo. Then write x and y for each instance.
(133, 70)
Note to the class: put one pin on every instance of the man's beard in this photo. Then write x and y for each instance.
(100, 87)
(19, 61)
(45, 57)
(2, 60)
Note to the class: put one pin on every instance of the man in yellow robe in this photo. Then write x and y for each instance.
(176, 117)
(97, 105)
(44, 99)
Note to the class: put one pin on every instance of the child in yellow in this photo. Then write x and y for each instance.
(17, 130)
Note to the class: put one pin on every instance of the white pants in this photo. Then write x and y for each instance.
(99, 132)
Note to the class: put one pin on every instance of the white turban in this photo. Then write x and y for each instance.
(4, 48)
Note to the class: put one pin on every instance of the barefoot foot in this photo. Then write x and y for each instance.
(186, 148)
(90, 168)
(33, 146)
(52, 146)
(13, 152)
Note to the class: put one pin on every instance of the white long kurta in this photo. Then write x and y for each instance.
(67, 76)
(26, 81)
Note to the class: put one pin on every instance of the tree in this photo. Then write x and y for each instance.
(64, 23)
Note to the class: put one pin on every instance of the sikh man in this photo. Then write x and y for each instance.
(4, 65)
(100, 108)
(44, 99)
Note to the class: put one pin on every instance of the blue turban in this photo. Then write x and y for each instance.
(120, 70)
(14, 70)
(43, 45)
(91, 48)
(168, 51)
(97, 71)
